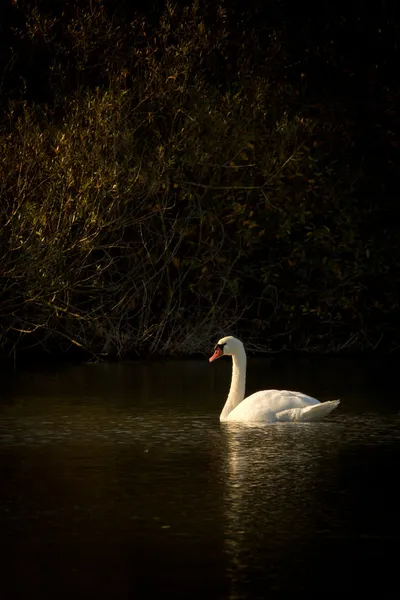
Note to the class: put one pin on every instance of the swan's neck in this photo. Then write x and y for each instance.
(238, 384)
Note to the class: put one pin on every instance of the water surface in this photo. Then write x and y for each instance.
(119, 481)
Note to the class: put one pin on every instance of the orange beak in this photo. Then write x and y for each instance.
(217, 354)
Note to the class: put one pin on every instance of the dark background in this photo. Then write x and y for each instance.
(340, 62)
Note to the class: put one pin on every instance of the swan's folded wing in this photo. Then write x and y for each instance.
(308, 413)
(264, 406)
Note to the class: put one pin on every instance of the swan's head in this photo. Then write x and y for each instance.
(227, 346)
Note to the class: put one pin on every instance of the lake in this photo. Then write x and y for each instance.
(119, 481)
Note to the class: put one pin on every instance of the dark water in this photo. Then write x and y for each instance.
(118, 481)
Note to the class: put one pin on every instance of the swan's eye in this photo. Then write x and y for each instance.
(220, 346)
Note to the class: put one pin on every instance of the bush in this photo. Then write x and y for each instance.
(161, 201)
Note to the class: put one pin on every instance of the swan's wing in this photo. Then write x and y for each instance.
(264, 405)
(307, 414)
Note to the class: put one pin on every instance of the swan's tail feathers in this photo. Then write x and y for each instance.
(316, 412)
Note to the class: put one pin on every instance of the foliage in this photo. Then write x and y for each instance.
(164, 190)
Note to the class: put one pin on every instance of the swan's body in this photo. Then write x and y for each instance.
(266, 406)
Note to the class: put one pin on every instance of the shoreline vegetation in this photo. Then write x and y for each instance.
(170, 180)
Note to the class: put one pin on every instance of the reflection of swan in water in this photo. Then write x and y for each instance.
(271, 499)
(268, 405)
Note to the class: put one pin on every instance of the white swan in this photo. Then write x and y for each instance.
(266, 406)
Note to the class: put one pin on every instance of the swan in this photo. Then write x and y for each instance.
(268, 405)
